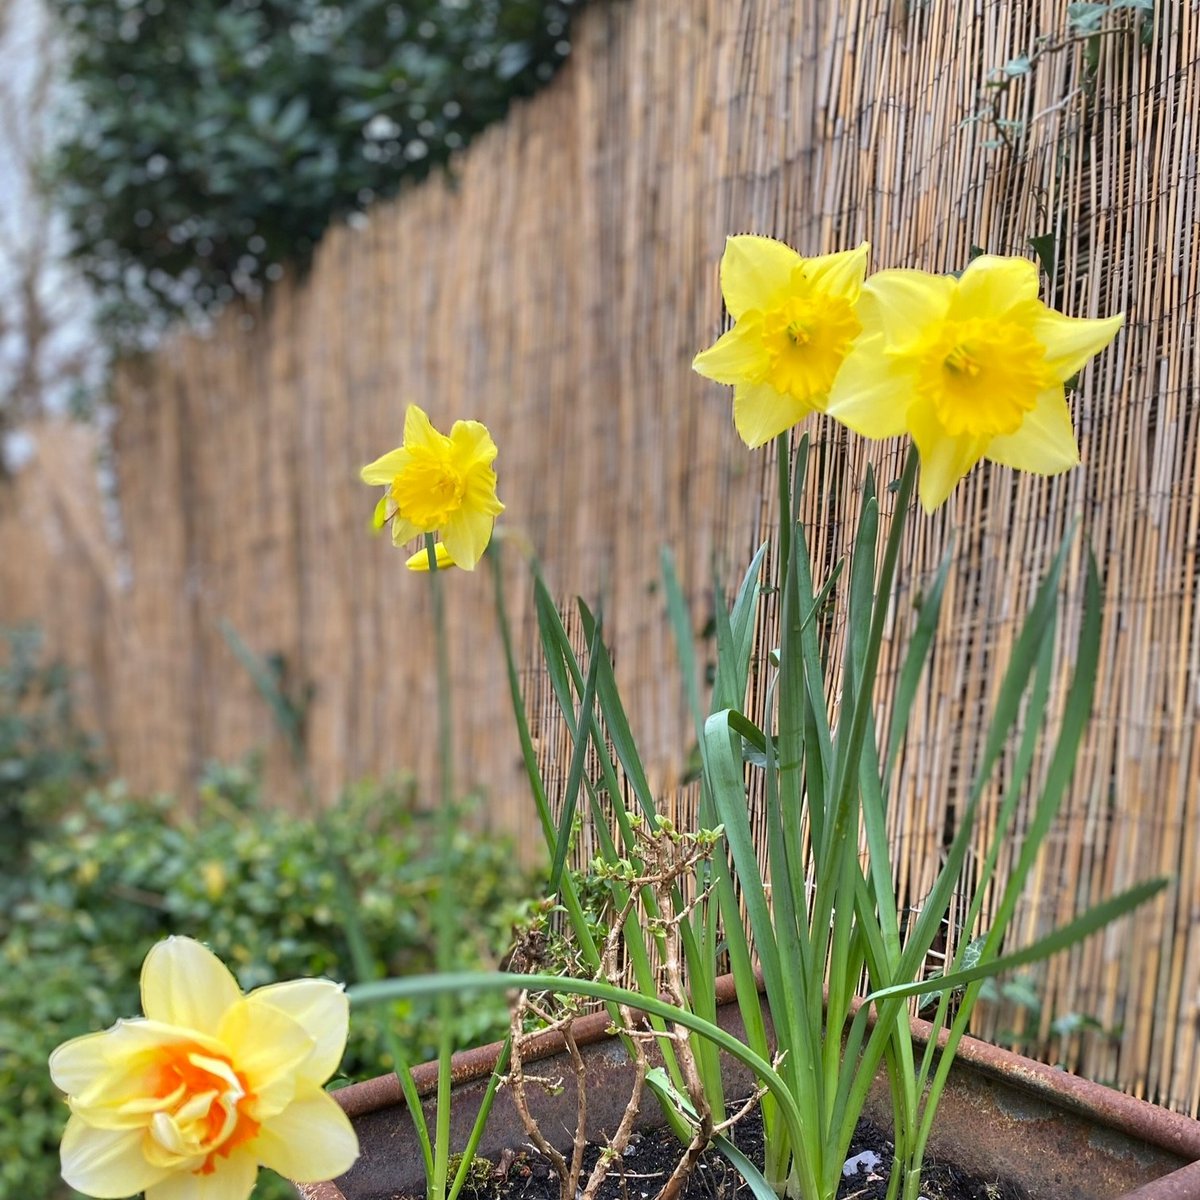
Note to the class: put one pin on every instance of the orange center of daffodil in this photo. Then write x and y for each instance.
(431, 488)
(806, 339)
(982, 376)
(200, 1108)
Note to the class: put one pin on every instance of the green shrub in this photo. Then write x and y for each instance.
(253, 883)
(214, 141)
(45, 758)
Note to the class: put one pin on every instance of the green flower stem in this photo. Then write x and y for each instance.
(444, 909)
(784, 481)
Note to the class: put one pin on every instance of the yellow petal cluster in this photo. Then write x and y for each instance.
(187, 1102)
(972, 368)
(420, 560)
(439, 483)
(794, 321)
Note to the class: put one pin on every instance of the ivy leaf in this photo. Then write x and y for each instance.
(1085, 17)
(1044, 246)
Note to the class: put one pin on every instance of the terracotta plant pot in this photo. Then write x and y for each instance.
(1002, 1116)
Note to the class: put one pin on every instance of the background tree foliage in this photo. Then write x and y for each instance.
(212, 142)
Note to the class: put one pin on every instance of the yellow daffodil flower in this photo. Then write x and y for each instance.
(794, 320)
(420, 560)
(972, 368)
(187, 1102)
(439, 483)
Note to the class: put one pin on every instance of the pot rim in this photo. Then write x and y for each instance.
(1160, 1127)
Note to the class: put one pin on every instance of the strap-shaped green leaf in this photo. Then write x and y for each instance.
(578, 761)
(616, 722)
(1094, 919)
(1021, 664)
(914, 660)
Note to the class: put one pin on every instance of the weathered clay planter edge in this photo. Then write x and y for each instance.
(1137, 1119)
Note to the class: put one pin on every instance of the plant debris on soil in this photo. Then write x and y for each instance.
(652, 1155)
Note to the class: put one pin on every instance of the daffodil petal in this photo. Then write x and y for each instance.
(420, 560)
(385, 468)
(1071, 341)
(75, 1064)
(472, 442)
(382, 512)
(101, 1071)
(269, 1046)
(869, 391)
(311, 1140)
(479, 494)
(839, 274)
(403, 531)
(186, 984)
(418, 430)
(944, 459)
(992, 286)
(106, 1163)
(466, 536)
(901, 305)
(735, 355)
(754, 270)
(1045, 443)
(761, 413)
(232, 1179)
(320, 1008)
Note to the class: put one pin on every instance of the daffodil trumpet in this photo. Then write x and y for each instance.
(971, 368)
(795, 320)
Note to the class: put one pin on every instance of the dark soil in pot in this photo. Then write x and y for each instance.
(652, 1156)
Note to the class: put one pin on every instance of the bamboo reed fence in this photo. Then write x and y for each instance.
(557, 287)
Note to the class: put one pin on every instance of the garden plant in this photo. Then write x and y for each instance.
(209, 145)
(969, 367)
(107, 876)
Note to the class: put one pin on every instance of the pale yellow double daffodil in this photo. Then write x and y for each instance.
(187, 1102)
(439, 483)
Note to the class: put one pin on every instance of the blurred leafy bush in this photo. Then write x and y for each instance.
(214, 141)
(257, 886)
(44, 756)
